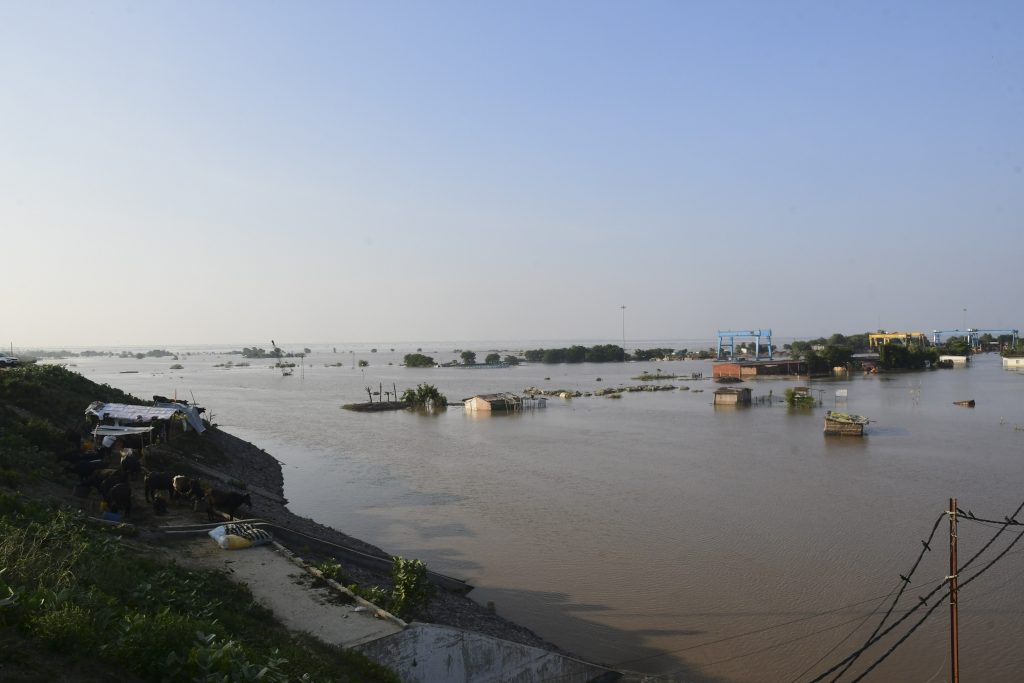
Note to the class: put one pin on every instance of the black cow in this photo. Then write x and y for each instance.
(119, 497)
(85, 468)
(158, 481)
(226, 501)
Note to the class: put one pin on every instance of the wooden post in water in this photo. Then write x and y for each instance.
(953, 645)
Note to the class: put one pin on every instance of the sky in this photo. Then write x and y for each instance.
(206, 172)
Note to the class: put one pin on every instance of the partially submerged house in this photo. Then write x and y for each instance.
(744, 369)
(504, 402)
(732, 396)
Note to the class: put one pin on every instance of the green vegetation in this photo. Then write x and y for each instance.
(657, 354)
(511, 360)
(493, 359)
(364, 363)
(799, 399)
(1011, 351)
(254, 352)
(424, 396)
(649, 377)
(468, 358)
(855, 342)
(76, 603)
(52, 392)
(177, 366)
(957, 346)
(605, 353)
(410, 592)
(913, 357)
(822, 362)
(418, 360)
(79, 595)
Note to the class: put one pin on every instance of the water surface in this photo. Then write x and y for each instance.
(639, 531)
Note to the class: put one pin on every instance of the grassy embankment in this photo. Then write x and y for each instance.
(81, 601)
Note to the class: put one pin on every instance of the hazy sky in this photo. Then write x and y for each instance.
(203, 172)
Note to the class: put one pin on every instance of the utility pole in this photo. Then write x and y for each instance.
(953, 646)
(623, 333)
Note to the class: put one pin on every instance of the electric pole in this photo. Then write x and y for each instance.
(623, 333)
(953, 646)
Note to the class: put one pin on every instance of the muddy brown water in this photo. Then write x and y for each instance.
(657, 532)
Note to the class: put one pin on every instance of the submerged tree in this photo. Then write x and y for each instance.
(425, 396)
(418, 360)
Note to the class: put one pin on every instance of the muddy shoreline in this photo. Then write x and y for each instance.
(264, 478)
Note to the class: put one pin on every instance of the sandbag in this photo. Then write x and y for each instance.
(238, 536)
(233, 542)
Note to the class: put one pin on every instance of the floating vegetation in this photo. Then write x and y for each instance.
(799, 397)
(649, 377)
(177, 366)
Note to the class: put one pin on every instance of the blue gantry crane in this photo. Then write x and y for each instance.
(756, 334)
(975, 336)
(938, 334)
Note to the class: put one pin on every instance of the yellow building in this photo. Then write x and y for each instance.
(904, 338)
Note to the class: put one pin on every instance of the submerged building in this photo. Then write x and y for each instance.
(744, 369)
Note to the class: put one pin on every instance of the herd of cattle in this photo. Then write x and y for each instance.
(115, 489)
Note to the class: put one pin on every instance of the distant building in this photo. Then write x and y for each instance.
(493, 403)
(876, 340)
(731, 396)
(758, 368)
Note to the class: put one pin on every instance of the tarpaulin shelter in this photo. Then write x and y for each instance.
(139, 416)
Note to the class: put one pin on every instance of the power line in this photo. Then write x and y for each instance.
(764, 628)
(926, 547)
(923, 601)
(1007, 521)
(786, 642)
(876, 636)
(936, 605)
(832, 649)
(770, 627)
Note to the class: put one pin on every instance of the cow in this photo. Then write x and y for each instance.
(158, 481)
(84, 468)
(226, 501)
(131, 463)
(188, 488)
(119, 497)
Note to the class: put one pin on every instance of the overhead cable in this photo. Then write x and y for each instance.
(926, 547)
(923, 601)
(936, 605)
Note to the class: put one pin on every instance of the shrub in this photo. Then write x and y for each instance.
(425, 395)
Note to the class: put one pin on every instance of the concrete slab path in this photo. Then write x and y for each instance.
(290, 592)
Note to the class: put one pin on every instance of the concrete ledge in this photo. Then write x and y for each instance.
(428, 653)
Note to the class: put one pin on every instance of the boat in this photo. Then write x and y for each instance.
(844, 424)
(965, 404)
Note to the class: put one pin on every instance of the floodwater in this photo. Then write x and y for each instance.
(657, 532)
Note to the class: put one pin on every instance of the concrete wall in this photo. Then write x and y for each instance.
(477, 404)
(1017, 363)
(430, 653)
